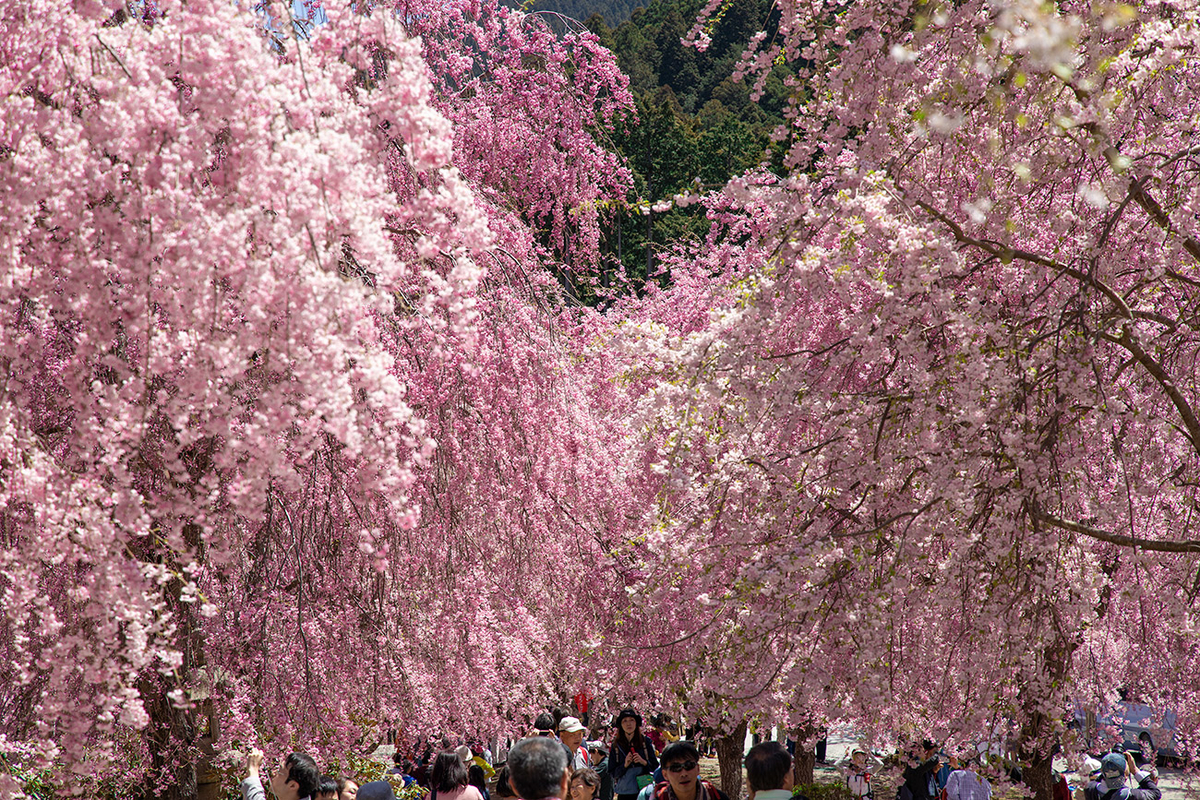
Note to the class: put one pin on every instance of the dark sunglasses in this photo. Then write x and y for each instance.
(681, 766)
(545, 732)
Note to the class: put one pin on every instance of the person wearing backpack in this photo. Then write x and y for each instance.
(1115, 768)
(857, 772)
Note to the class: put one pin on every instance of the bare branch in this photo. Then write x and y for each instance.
(1185, 546)
(1007, 253)
(1159, 374)
(1137, 189)
(115, 57)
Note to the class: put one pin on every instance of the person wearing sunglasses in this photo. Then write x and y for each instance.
(681, 768)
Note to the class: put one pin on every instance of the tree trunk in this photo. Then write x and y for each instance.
(729, 757)
(174, 733)
(1037, 734)
(171, 733)
(805, 762)
(1038, 774)
(650, 260)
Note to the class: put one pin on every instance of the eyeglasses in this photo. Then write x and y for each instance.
(545, 733)
(681, 766)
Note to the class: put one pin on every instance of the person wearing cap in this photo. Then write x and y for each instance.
(631, 757)
(857, 772)
(599, 762)
(471, 759)
(570, 733)
(376, 790)
(1090, 767)
(1115, 768)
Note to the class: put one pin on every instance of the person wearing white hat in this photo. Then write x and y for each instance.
(857, 772)
(570, 733)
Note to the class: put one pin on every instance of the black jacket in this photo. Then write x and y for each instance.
(1146, 789)
(606, 791)
(921, 780)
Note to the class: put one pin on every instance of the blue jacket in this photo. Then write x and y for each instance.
(625, 778)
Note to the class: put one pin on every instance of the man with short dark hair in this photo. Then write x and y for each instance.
(769, 772)
(920, 772)
(599, 758)
(544, 725)
(680, 764)
(538, 769)
(298, 777)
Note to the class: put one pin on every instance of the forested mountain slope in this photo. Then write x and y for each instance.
(696, 124)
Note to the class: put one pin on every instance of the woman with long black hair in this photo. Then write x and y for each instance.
(631, 757)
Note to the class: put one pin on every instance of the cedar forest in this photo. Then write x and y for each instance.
(790, 364)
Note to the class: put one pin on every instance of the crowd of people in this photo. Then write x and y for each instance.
(929, 774)
(556, 761)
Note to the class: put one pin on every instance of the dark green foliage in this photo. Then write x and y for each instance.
(697, 127)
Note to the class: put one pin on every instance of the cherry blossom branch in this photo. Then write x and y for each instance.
(1186, 546)
(1160, 375)
(1007, 253)
(1126, 339)
(1137, 190)
(115, 57)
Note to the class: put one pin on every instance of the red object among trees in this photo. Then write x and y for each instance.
(286, 386)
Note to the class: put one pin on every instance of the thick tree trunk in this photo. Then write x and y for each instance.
(1038, 731)
(805, 762)
(171, 733)
(174, 733)
(729, 757)
(1038, 774)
